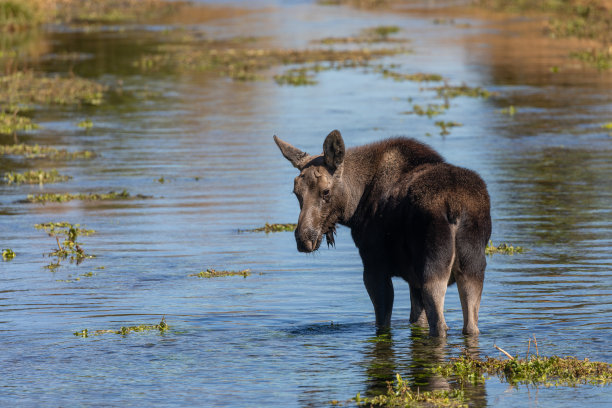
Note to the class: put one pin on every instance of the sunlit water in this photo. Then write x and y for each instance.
(299, 331)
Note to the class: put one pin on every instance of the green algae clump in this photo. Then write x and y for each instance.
(34, 177)
(161, 328)
(7, 254)
(212, 273)
(503, 248)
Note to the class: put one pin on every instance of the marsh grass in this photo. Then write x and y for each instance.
(213, 273)
(400, 394)
(12, 121)
(451, 91)
(378, 34)
(503, 248)
(600, 59)
(44, 198)
(69, 249)
(48, 152)
(267, 228)
(161, 327)
(417, 77)
(26, 87)
(230, 59)
(35, 177)
(534, 370)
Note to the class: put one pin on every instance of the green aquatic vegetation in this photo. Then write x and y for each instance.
(369, 35)
(295, 77)
(602, 60)
(86, 124)
(223, 58)
(77, 279)
(400, 394)
(537, 370)
(503, 248)
(22, 88)
(7, 254)
(116, 11)
(36, 151)
(44, 198)
(510, 110)
(213, 273)
(418, 77)
(64, 228)
(607, 126)
(34, 177)
(267, 228)
(431, 110)
(448, 91)
(71, 249)
(161, 327)
(13, 122)
(18, 14)
(444, 126)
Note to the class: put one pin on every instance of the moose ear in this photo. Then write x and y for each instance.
(297, 157)
(333, 150)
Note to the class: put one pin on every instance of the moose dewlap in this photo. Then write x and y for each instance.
(411, 215)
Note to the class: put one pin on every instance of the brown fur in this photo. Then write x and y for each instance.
(411, 215)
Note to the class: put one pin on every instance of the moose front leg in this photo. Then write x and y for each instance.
(380, 288)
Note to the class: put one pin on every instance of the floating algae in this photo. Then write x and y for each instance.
(161, 327)
(34, 177)
(503, 248)
(65, 197)
(267, 228)
(212, 273)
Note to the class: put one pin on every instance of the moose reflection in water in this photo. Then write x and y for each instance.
(382, 363)
(411, 215)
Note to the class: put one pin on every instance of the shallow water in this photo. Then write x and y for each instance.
(299, 331)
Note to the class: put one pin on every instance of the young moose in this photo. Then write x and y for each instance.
(411, 215)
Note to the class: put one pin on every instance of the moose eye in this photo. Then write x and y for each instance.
(326, 193)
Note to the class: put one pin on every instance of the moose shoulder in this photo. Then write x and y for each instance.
(411, 214)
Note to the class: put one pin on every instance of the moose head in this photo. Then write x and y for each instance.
(319, 189)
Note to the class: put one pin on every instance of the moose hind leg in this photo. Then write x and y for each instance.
(417, 310)
(380, 289)
(437, 261)
(470, 279)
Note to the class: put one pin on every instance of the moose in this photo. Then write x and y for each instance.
(411, 215)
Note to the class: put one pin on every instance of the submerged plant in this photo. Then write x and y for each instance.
(430, 111)
(444, 126)
(7, 254)
(212, 273)
(537, 370)
(69, 248)
(417, 77)
(12, 122)
(448, 91)
(86, 124)
(369, 35)
(36, 151)
(161, 327)
(400, 394)
(503, 248)
(35, 177)
(65, 197)
(267, 228)
(29, 88)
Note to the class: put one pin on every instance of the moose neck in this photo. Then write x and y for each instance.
(357, 174)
